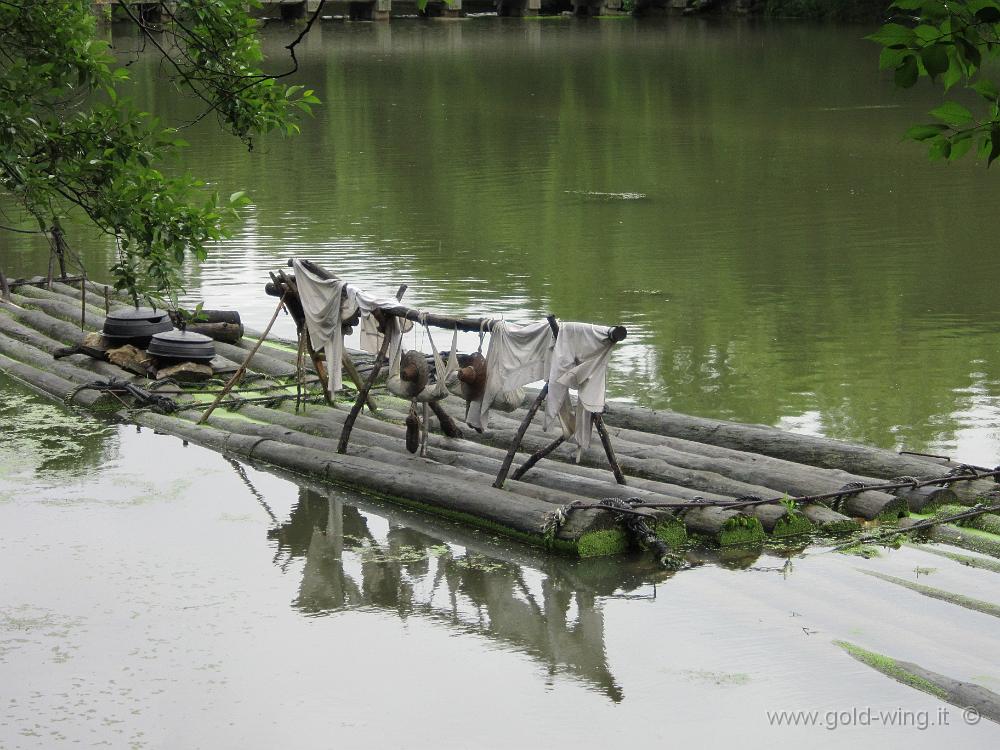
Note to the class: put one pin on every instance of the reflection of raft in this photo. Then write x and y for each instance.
(687, 463)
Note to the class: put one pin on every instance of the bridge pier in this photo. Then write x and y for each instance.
(518, 8)
(591, 8)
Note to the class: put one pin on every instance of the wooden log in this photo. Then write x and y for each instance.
(54, 306)
(985, 522)
(771, 441)
(837, 478)
(828, 520)
(714, 475)
(370, 449)
(523, 518)
(725, 528)
(229, 333)
(262, 362)
(972, 539)
(42, 360)
(925, 499)
(974, 700)
(73, 292)
(52, 385)
(54, 328)
(44, 344)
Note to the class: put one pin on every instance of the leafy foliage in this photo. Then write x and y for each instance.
(949, 43)
(72, 146)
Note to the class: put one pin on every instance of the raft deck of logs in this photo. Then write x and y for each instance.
(655, 478)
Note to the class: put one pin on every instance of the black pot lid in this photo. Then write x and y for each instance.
(138, 313)
(187, 338)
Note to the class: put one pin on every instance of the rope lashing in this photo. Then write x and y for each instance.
(912, 481)
(849, 490)
(555, 520)
(635, 525)
(958, 474)
(116, 387)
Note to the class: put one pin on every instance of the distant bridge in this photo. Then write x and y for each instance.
(382, 10)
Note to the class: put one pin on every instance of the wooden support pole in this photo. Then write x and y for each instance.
(345, 433)
(608, 448)
(107, 297)
(242, 368)
(538, 456)
(83, 306)
(4, 289)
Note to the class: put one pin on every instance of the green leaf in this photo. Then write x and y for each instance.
(940, 149)
(907, 73)
(935, 59)
(892, 35)
(954, 73)
(924, 132)
(959, 148)
(986, 89)
(952, 113)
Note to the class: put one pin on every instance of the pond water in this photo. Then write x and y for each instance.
(739, 197)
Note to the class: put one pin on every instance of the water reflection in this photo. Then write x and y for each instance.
(550, 609)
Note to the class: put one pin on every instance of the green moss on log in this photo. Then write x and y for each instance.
(792, 523)
(891, 668)
(603, 543)
(672, 531)
(740, 530)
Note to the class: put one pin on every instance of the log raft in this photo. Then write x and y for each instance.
(670, 459)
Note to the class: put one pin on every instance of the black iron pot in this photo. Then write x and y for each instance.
(182, 346)
(135, 326)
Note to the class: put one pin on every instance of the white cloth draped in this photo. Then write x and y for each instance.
(322, 304)
(326, 304)
(517, 355)
(579, 361)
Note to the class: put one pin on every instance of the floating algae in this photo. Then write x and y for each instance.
(34, 435)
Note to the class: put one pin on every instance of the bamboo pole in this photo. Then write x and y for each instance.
(242, 368)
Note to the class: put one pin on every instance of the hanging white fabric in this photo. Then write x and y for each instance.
(322, 304)
(517, 355)
(579, 361)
